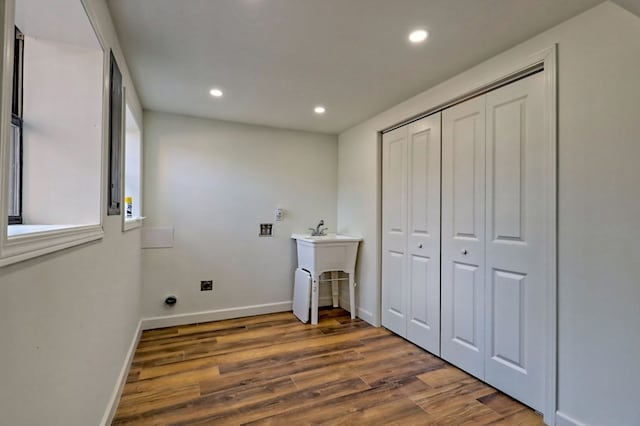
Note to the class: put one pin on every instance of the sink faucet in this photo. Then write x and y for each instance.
(318, 230)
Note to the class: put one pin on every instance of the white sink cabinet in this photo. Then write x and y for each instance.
(328, 253)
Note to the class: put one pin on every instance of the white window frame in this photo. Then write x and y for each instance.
(22, 247)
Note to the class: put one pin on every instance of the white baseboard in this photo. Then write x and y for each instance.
(366, 316)
(122, 379)
(564, 420)
(215, 315)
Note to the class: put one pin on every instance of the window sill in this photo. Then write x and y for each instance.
(18, 230)
(22, 242)
(132, 223)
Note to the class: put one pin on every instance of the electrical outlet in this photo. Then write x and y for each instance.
(206, 285)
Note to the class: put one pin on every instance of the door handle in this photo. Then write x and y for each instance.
(420, 245)
(464, 251)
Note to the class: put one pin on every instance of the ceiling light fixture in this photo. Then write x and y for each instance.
(215, 93)
(418, 36)
(319, 110)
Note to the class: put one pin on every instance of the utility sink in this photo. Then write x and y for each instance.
(327, 253)
(323, 253)
(325, 238)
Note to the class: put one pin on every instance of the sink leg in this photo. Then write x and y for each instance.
(352, 295)
(335, 289)
(314, 299)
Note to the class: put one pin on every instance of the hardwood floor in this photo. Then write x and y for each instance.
(272, 369)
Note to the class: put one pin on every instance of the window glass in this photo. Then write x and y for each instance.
(55, 137)
(14, 175)
(115, 137)
(57, 172)
(15, 144)
(132, 167)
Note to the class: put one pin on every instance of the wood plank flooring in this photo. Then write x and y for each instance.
(274, 370)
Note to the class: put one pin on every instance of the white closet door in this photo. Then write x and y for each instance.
(423, 248)
(394, 231)
(463, 235)
(515, 266)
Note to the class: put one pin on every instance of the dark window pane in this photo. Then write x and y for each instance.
(15, 148)
(16, 104)
(115, 138)
(14, 172)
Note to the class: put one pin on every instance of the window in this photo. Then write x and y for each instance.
(53, 129)
(115, 137)
(15, 144)
(132, 170)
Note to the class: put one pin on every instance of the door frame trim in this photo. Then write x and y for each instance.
(544, 61)
(549, 58)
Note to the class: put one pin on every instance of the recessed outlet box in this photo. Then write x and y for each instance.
(206, 285)
(266, 230)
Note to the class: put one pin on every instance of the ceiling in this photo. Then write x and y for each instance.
(276, 60)
(42, 19)
(632, 6)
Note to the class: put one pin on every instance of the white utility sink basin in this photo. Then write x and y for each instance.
(329, 238)
(327, 253)
(331, 252)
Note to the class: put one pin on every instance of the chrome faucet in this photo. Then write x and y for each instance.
(318, 231)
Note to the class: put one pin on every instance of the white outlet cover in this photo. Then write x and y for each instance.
(279, 214)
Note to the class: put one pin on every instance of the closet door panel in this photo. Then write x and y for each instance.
(466, 279)
(515, 272)
(423, 242)
(463, 235)
(395, 281)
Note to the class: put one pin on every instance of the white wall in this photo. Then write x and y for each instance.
(61, 133)
(68, 319)
(215, 182)
(599, 207)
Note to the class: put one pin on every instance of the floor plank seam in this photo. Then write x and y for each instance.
(272, 369)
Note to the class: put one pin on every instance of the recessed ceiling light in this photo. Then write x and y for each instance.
(215, 93)
(418, 36)
(319, 110)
